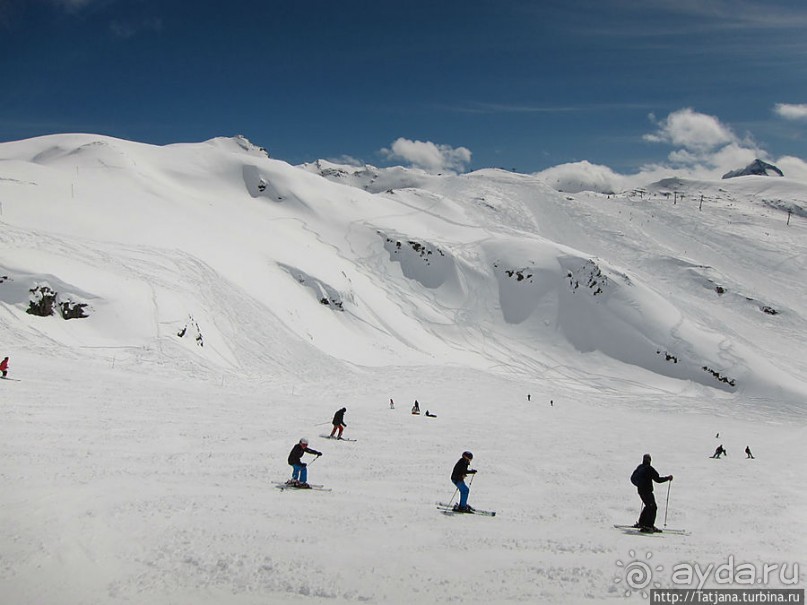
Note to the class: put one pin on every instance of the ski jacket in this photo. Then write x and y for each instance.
(4, 364)
(460, 470)
(645, 475)
(296, 454)
(339, 417)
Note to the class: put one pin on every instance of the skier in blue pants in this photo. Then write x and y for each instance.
(458, 479)
(299, 476)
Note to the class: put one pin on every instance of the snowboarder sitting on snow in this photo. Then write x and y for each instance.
(430, 415)
(458, 478)
(299, 476)
(719, 452)
(643, 478)
(4, 367)
(339, 422)
(748, 453)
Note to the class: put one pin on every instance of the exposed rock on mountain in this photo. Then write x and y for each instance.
(758, 168)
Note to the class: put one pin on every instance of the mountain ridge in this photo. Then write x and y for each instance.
(275, 264)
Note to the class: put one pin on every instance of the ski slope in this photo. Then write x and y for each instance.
(139, 465)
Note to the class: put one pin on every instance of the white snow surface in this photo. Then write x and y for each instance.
(138, 464)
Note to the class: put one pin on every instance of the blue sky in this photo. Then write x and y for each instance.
(522, 85)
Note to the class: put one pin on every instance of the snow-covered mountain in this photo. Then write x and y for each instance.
(178, 317)
(272, 264)
(756, 168)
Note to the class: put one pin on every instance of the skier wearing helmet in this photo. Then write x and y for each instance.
(458, 478)
(299, 476)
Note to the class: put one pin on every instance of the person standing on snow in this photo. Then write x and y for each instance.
(339, 422)
(299, 476)
(643, 478)
(748, 453)
(719, 452)
(4, 367)
(416, 407)
(458, 479)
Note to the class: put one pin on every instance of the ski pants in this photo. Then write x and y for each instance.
(337, 427)
(464, 491)
(647, 518)
(300, 472)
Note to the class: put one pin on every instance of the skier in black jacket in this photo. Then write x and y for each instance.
(458, 478)
(299, 476)
(643, 478)
(339, 422)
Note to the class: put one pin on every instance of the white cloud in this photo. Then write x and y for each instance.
(793, 167)
(429, 156)
(583, 176)
(703, 148)
(346, 160)
(789, 111)
(695, 132)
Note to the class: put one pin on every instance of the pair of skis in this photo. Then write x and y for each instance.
(448, 509)
(283, 486)
(337, 438)
(632, 529)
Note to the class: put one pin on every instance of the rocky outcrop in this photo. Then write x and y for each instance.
(757, 168)
(44, 300)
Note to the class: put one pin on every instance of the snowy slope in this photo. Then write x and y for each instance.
(476, 267)
(235, 302)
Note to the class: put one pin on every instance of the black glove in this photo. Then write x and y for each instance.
(303, 464)
(318, 454)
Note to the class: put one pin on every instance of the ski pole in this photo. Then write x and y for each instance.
(321, 423)
(667, 504)
(452, 496)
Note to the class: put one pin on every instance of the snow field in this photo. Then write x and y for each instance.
(125, 487)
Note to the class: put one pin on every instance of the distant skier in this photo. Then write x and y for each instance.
(299, 476)
(391, 404)
(339, 422)
(748, 453)
(720, 451)
(529, 396)
(430, 415)
(4, 366)
(416, 407)
(643, 477)
(458, 479)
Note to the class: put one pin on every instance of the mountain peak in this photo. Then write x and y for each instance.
(757, 168)
(239, 142)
